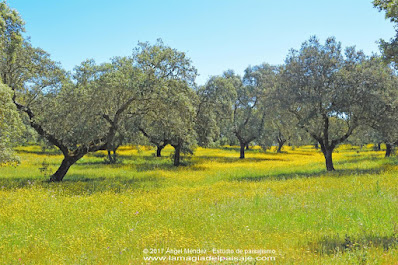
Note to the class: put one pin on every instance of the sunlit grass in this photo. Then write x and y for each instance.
(107, 214)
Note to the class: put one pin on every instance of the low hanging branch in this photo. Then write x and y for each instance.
(159, 143)
(70, 156)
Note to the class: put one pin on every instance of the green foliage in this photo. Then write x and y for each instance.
(170, 119)
(233, 106)
(390, 7)
(389, 48)
(10, 126)
(330, 93)
(216, 99)
(11, 28)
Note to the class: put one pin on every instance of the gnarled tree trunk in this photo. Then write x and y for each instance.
(67, 162)
(159, 149)
(280, 145)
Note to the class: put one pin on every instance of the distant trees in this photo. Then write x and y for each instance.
(214, 110)
(383, 113)
(321, 90)
(242, 101)
(328, 92)
(386, 125)
(170, 120)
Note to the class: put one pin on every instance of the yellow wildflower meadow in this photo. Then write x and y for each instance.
(284, 208)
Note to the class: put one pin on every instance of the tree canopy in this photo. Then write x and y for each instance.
(328, 92)
(10, 126)
(321, 91)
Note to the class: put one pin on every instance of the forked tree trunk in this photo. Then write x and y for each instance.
(159, 149)
(112, 157)
(388, 150)
(280, 145)
(242, 150)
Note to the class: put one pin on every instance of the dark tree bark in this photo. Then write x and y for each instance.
(177, 154)
(316, 146)
(244, 142)
(242, 150)
(160, 147)
(281, 142)
(378, 148)
(67, 162)
(328, 146)
(329, 159)
(112, 157)
(159, 143)
(388, 150)
(159, 151)
(244, 139)
(247, 147)
(72, 156)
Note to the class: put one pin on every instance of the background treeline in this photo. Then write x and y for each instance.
(323, 95)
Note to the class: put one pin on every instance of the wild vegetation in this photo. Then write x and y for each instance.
(100, 163)
(284, 201)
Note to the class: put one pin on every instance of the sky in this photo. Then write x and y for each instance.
(216, 34)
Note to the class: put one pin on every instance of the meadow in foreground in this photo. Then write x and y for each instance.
(108, 214)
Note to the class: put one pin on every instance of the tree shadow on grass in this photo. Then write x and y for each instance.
(41, 153)
(144, 164)
(142, 167)
(304, 174)
(77, 184)
(356, 159)
(189, 165)
(336, 244)
(223, 159)
(254, 151)
(304, 153)
(359, 157)
(230, 148)
(95, 158)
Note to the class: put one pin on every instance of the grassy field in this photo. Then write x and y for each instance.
(287, 203)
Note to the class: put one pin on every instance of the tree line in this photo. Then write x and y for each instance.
(322, 94)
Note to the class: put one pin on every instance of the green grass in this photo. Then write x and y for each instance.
(108, 214)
